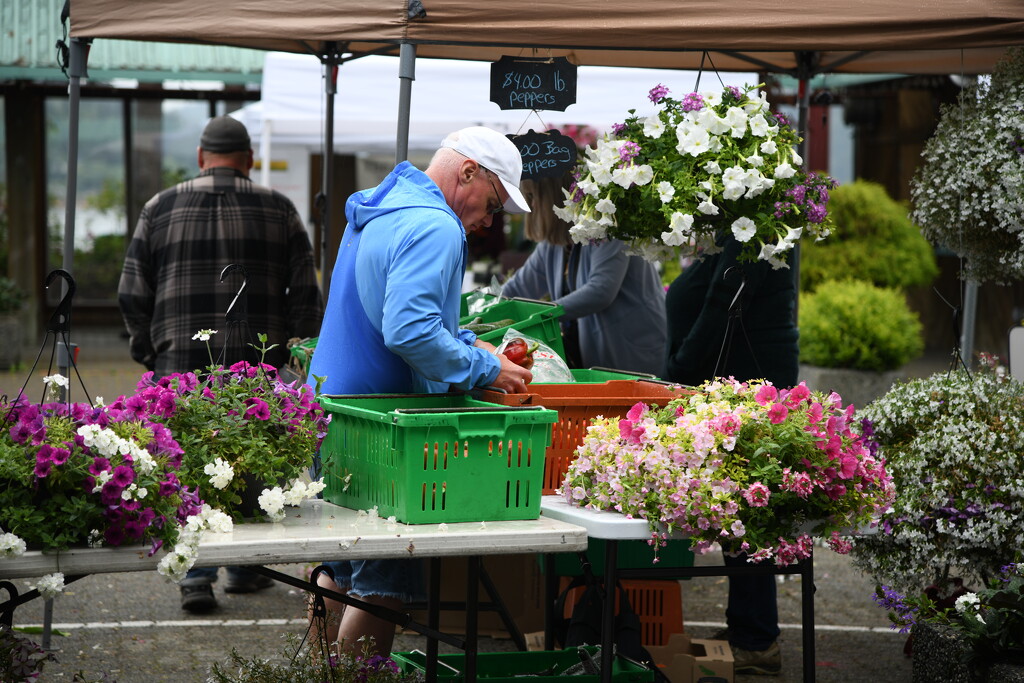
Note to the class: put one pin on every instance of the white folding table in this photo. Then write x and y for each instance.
(321, 531)
(614, 527)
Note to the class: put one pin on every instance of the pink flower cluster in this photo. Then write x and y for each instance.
(747, 466)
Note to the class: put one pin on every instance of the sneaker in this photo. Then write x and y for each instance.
(249, 583)
(763, 662)
(198, 598)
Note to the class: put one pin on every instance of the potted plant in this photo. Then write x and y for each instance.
(954, 444)
(741, 464)
(716, 160)
(79, 475)
(311, 664)
(966, 636)
(248, 438)
(12, 300)
(854, 338)
(967, 193)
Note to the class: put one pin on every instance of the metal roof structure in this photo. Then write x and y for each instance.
(28, 52)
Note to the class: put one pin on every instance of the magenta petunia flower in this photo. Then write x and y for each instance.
(693, 102)
(123, 476)
(778, 413)
(258, 409)
(766, 394)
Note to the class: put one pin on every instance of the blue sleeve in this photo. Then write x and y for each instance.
(422, 294)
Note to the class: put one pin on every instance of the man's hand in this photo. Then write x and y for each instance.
(512, 378)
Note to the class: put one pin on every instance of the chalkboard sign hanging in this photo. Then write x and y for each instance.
(545, 155)
(533, 83)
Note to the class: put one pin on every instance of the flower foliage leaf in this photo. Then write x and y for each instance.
(742, 464)
(968, 195)
(668, 182)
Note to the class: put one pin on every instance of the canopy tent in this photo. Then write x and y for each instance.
(801, 38)
(913, 36)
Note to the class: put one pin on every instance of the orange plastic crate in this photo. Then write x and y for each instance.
(658, 603)
(577, 405)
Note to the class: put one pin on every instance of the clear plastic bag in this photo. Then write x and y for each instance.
(548, 366)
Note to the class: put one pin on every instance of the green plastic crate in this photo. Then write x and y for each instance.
(435, 458)
(636, 554)
(536, 319)
(514, 667)
(303, 352)
(602, 375)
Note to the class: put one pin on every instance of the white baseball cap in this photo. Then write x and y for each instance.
(497, 154)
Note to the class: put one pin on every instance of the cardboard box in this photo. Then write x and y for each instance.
(519, 583)
(686, 660)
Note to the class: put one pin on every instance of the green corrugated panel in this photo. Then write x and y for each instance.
(31, 28)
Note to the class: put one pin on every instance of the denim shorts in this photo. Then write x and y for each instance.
(401, 579)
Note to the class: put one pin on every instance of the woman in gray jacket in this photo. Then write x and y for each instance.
(614, 303)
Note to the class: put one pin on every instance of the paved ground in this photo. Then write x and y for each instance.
(130, 628)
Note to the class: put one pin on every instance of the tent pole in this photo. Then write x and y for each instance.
(805, 65)
(330, 61)
(79, 52)
(406, 75)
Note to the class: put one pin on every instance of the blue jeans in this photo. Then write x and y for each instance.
(752, 614)
(399, 579)
(199, 575)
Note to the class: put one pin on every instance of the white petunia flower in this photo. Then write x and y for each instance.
(11, 545)
(220, 473)
(758, 125)
(56, 381)
(712, 167)
(768, 147)
(707, 208)
(272, 502)
(784, 170)
(203, 335)
(743, 229)
(605, 205)
(50, 586)
(653, 126)
(666, 191)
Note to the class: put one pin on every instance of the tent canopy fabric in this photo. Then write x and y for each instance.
(861, 36)
(448, 95)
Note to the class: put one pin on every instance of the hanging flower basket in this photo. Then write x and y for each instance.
(968, 195)
(667, 183)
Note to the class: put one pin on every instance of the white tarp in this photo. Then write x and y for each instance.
(446, 95)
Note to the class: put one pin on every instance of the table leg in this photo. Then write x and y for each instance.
(472, 611)
(611, 560)
(550, 596)
(433, 616)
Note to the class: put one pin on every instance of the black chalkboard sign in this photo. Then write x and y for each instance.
(533, 83)
(545, 155)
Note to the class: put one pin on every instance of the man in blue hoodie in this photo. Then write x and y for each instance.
(392, 318)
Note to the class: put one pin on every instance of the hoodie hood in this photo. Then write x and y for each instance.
(406, 187)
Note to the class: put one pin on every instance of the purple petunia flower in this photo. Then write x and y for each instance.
(816, 213)
(628, 151)
(618, 129)
(123, 476)
(693, 102)
(657, 93)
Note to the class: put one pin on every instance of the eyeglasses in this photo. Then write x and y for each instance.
(501, 207)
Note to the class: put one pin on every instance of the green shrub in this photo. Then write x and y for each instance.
(854, 324)
(873, 240)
